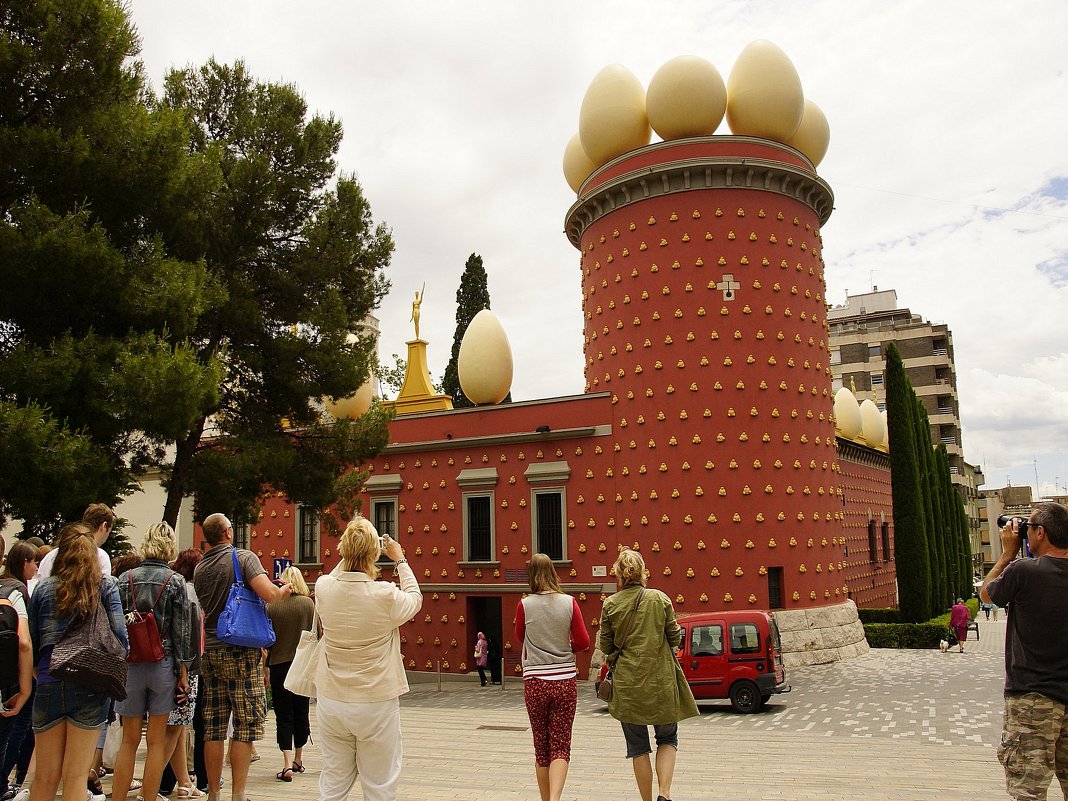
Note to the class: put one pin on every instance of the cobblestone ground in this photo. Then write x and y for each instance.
(890, 726)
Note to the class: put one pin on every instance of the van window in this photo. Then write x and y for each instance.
(745, 639)
(706, 641)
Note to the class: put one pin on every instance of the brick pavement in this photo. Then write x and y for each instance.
(890, 726)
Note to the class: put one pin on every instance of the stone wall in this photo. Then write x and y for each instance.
(818, 636)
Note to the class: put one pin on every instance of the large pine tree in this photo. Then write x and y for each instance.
(911, 557)
(184, 271)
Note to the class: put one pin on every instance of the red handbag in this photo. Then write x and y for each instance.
(146, 645)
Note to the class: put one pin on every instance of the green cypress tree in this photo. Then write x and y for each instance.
(472, 296)
(965, 550)
(928, 485)
(948, 533)
(913, 567)
(938, 526)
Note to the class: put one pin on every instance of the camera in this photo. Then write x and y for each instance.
(1007, 520)
(382, 544)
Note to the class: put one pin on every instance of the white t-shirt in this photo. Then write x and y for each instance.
(44, 570)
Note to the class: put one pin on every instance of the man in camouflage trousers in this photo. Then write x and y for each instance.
(1034, 742)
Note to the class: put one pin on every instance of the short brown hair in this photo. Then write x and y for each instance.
(542, 574)
(97, 513)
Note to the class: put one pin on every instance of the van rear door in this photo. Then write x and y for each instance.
(705, 664)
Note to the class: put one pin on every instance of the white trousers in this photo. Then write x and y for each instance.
(363, 740)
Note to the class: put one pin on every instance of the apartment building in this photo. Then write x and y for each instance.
(860, 330)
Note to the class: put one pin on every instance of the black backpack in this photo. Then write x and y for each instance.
(9, 634)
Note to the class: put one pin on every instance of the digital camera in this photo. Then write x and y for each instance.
(1006, 520)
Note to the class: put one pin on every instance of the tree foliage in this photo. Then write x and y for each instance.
(928, 486)
(912, 558)
(181, 278)
(472, 296)
(95, 364)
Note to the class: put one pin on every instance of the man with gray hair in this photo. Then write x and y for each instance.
(231, 676)
(1034, 740)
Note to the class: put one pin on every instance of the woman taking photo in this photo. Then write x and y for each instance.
(639, 637)
(549, 624)
(290, 616)
(153, 688)
(360, 675)
(67, 717)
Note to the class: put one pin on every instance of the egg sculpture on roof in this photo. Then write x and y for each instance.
(484, 365)
(764, 94)
(886, 436)
(612, 119)
(686, 97)
(847, 413)
(577, 164)
(872, 423)
(352, 406)
(813, 135)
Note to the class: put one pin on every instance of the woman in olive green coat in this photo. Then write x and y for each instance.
(649, 687)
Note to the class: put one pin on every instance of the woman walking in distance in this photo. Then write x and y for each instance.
(67, 717)
(639, 637)
(360, 674)
(290, 617)
(549, 624)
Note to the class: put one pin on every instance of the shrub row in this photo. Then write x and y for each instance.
(882, 628)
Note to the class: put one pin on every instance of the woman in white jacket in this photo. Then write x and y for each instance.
(360, 675)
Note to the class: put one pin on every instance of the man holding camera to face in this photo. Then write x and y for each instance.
(1034, 741)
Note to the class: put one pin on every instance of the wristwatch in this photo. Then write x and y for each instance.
(402, 560)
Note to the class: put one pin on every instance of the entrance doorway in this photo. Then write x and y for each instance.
(484, 613)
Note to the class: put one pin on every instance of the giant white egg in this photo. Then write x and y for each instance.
(847, 413)
(353, 406)
(813, 134)
(686, 97)
(612, 118)
(886, 436)
(872, 423)
(764, 95)
(577, 164)
(484, 365)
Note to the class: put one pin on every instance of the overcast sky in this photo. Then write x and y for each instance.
(948, 159)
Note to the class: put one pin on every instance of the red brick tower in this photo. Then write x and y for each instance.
(703, 298)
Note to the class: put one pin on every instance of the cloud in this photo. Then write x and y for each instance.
(945, 158)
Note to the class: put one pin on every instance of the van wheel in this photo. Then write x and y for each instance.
(745, 697)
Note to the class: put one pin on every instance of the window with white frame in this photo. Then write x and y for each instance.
(549, 523)
(307, 535)
(384, 516)
(241, 535)
(478, 527)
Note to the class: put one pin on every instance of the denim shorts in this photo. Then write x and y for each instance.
(57, 701)
(637, 737)
(149, 688)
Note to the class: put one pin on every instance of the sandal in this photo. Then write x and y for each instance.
(188, 792)
(284, 775)
(136, 784)
(298, 767)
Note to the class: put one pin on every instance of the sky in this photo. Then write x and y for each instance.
(948, 161)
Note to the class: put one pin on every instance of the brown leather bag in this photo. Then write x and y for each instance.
(605, 690)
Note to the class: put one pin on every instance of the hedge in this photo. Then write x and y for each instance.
(882, 630)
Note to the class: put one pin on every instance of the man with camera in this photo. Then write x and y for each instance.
(1034, 740)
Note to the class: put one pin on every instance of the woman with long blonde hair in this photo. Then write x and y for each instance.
(67, 717)
(360, 675)
(549, 624)
(290, 616)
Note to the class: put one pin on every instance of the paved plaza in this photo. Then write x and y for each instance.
(890, 726)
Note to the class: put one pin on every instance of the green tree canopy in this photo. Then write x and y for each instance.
(911, 554)
(181, 279)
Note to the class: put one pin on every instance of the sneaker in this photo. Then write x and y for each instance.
(10, 793)
(89, 796)
(22, 795)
